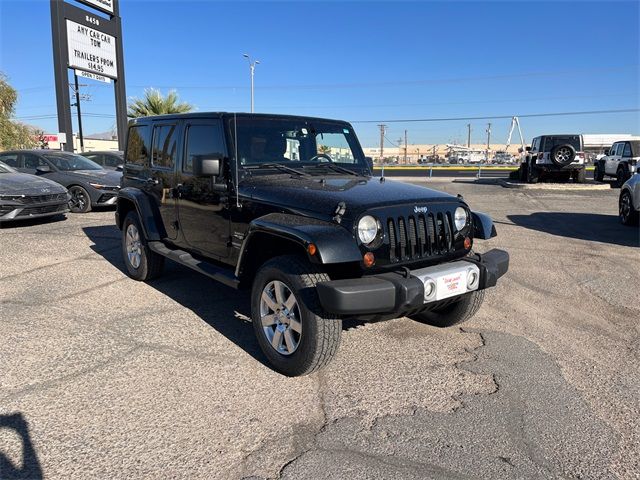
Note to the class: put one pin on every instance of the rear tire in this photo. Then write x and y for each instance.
(142, 263)
(308, 337)
(453, 314)
(533, 175)
(598, 173)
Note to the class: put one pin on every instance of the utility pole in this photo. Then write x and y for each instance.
(468, 135)
(252, 68)
(76, 91)
(488, 139)
(382, 131)
(405, 147)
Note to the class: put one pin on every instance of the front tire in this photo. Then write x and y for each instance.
(142, 263)
(622, 175)
(628, 214)
(453, 314)
(295, 334)
(80, 200)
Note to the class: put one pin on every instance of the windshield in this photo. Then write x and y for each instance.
(4, 168)
(70, 161)
(296, 142)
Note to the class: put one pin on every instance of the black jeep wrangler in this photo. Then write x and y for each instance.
(287, 207)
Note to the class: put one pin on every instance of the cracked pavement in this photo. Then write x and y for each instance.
(102, 376)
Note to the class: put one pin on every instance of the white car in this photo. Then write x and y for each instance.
(629, 203)
(620, 161)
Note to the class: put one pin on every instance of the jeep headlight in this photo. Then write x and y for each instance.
(460, 218)
(368, 228)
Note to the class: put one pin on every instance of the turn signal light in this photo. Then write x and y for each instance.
(311, 249)
(369, 259)
(467, 243)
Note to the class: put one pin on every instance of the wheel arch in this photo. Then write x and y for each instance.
(130, 199)
(285, 234)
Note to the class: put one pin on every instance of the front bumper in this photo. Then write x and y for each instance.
(16, 211)
(401, 293)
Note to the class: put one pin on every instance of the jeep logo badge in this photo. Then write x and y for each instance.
(418, 209)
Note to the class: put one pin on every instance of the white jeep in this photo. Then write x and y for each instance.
(620, 161)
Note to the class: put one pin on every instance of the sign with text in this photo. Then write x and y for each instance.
(93, 76)
(104, 5)
(91, 50)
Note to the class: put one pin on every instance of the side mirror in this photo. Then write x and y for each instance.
(206, 166)
(528, 149)
(369, 161)
(43, 169)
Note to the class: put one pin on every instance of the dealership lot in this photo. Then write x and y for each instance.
(101, 376)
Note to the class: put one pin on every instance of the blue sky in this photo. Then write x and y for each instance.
(359, 61)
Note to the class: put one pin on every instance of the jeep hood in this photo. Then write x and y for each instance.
(322, 194)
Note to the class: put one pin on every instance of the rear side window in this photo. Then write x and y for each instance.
(165, 146)
(138, 145)
(573, 140)
(10, 159)
(202, 141)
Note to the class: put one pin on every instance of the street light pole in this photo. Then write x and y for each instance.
(252, 69)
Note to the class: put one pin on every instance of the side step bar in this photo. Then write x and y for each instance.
(186, 259)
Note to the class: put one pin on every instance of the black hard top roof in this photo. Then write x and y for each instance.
(182, 116)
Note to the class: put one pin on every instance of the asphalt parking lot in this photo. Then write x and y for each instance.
(105, 377)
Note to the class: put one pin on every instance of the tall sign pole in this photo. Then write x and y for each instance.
(91, 45)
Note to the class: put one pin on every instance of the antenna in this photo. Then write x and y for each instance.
(235, 146)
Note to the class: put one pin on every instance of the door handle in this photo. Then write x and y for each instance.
(152, 181)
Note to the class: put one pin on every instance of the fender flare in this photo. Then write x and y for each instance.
(147, 213)
(334, 243)
(483, 227)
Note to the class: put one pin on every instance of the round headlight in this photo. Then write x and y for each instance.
(460, 218)
(367, 229)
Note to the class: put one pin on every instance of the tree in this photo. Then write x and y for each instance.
(12, 134)
(154, 103)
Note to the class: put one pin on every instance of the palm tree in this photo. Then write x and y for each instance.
(154, 103)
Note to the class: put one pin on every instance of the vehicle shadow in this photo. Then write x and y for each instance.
(29, 466)
(223, 308)
(29, 222)
(584, 226)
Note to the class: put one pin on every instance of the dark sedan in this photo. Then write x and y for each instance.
(25, 196)
(89, 184)
(109, 159)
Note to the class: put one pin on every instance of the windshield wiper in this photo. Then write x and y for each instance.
(337, 168)
(277, 166)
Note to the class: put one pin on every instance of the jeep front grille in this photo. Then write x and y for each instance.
(420, 236)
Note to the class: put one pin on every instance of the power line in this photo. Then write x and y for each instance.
(494, 117)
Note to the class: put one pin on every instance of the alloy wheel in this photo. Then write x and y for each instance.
(280, 317)
(625, 207)
(78, 201)
(133, 246)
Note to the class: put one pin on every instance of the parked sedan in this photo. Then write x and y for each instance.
(109, 159)
(629, 201)
(25, 196)
(89, 184)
